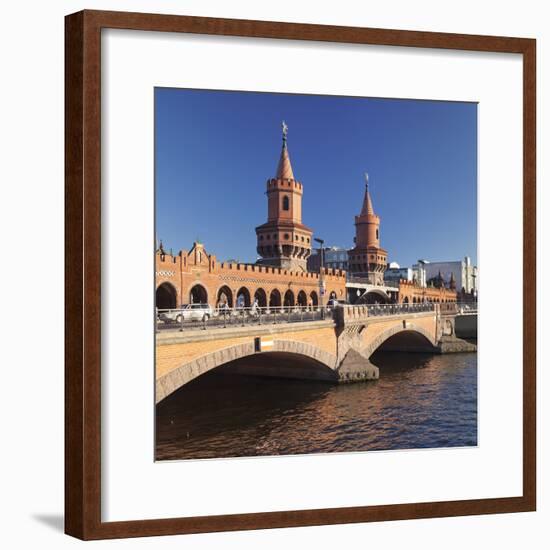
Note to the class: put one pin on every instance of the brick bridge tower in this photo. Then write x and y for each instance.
(284, 241)
(367, 259)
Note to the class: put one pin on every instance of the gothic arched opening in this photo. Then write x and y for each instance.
(166, 296)
(198, 295)
(243, 297)
(289, 298)
(225, 296)
(314, 298)
(275, 298)
(302, 299)
(261, 297)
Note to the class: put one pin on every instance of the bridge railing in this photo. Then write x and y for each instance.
(207, 317)
(398, 309)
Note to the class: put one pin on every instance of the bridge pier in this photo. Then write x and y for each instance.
(356, 368)
(452, 344)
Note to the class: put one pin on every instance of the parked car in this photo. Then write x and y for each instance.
(188, 312)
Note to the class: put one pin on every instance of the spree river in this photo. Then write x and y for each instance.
(420, 401)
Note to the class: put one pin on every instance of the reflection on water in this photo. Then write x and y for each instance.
(419, 401)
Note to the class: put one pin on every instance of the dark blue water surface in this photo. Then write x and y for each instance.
(420, 401)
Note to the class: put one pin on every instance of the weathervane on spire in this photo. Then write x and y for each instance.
(285, 132)
(367, 180)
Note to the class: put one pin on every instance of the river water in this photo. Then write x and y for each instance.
(420, 401)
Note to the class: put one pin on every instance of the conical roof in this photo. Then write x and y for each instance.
(367, 203)
(284, 169)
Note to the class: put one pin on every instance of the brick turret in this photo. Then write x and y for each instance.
(283, 241)
(367, 259)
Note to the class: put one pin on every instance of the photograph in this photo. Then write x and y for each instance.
(316, 279)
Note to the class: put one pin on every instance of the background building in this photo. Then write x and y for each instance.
(336, 257)
(465, 274)
(395, 273)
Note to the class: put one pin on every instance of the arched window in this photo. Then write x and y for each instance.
(377, 234)
(286, 203)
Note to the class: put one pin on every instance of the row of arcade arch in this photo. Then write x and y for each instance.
(166, 297)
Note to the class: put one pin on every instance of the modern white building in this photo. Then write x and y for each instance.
(397, 273)
(465, 274)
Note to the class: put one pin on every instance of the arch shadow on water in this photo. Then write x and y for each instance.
(408, 349)
(207, 417)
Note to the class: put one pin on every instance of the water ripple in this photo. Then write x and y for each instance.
(432, 403)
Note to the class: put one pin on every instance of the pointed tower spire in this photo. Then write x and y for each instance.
(367, 201)
(284, 241)
(367, 258)
(284, 169)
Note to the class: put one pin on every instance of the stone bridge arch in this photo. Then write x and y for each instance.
(426, 340)
(325, 363)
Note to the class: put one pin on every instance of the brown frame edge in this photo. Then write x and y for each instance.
(83, 274)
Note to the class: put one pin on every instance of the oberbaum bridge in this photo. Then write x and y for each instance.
(276, 318)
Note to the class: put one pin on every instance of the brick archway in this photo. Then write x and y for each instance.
(243, 297)
(198, 294)
(224, 296)
(188, 371)
(289, 298)
(275, 298)
(382, 338)
(261, 297)
(166, 296)
(314, 298)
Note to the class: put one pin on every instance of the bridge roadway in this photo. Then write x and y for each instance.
(334, 349)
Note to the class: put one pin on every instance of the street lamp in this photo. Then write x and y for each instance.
(321, 272)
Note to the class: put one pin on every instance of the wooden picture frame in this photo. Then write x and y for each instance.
(83, 274)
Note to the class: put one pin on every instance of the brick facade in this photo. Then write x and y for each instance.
(197, 276)
(411, 293)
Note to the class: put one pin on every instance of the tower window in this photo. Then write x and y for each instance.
(287, 236)
(377, 234)
(286, 203)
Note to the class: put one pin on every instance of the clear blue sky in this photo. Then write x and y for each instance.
(215, 150)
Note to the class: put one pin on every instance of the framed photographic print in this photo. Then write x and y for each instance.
(285, 292)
